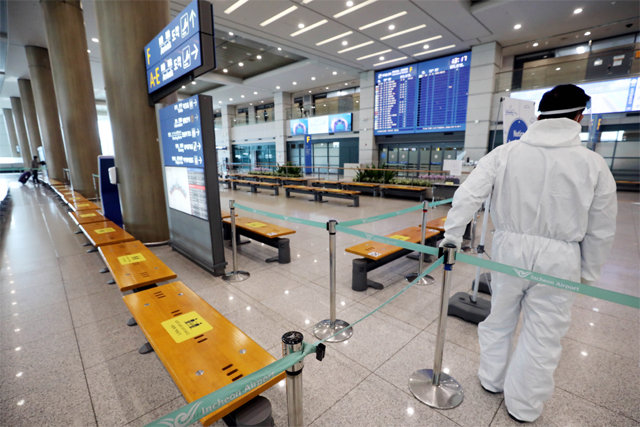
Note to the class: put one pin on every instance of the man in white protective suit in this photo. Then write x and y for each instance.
(554, 211)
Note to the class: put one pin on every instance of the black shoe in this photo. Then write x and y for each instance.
(515, 419)
(489, 391)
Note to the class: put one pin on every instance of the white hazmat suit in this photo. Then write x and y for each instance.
(553, 207)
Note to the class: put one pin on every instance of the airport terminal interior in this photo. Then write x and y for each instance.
(212, 175)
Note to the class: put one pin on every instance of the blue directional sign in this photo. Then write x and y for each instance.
(175, 64)
(181, 134)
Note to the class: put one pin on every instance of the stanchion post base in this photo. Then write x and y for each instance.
(448, 394)
(325, 329)
(426, 280)
(236, 276)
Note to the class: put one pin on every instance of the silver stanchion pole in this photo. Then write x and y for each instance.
(432, 386)
(292, 342)
(472, 241)
(426, 280)
(236, 275)
(328, 327)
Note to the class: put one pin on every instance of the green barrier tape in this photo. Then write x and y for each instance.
(556, 282)
(440, 202)
(202, 407)
(380, 217)
(395, 242)
(433, 266)
(322, 225)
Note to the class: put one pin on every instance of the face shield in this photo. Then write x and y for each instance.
(587, 110)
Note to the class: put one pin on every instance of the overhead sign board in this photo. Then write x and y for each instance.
(183, 49)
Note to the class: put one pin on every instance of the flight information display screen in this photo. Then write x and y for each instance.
(429, 96)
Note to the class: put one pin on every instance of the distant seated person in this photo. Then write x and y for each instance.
(35, 167)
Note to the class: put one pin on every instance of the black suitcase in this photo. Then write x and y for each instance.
(25, 177)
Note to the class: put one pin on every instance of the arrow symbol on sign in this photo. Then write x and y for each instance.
(195, 51)
(192, 17)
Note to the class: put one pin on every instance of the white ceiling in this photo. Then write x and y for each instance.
(456, 25)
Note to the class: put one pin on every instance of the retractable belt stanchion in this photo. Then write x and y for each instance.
(326, 329)
(426, 280)
(236, 275)
(432, 386)
(292, 342)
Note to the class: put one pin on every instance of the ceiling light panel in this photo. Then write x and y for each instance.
(334, 38)
(357, 6)
(371, 55)
(419, 42)
(358, 46)
(382, 20)
(234, 6)
(309, 27)
(438, 49)
(277, 16)
(404, 31)
(390, 61)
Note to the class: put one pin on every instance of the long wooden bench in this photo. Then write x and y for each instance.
(362, 187)
(82, 205)
(134, 266)
(378, 254)
(327, 184)
(302, 189)
(341, 194)
(263, 232)
(85, 217)
(437, 223)
(285, 180)
(387, 190)
(200, 348)
(254, 185)
(105, 233)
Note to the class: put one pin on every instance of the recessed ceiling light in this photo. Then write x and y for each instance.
(277, 87)
(327, 88)
(251, 103)
(330, 39)
(231, 33)
(241, 96)
(219, 102)
(240, 64)
(88, 50)
(371, 55)
(349, 3)
(335, 73)
(255, 92)
(517, 26)
(391, 27)
(587, 33)
(193, 82)
(577, 11)
(309, 91)
(354, 8)
(230, 99)
(420, 41)
(313, 78)
(262, 101)
(278, 16)
(224, 70)
(184, 87)
(389, 61)
(581, 49)
(344, 42)
(425, 47)
(558, 68)
(536, 44)
(301, 25)
(381, 58)
(435, 50)
(95, 39)
(235, 6)
(279, 49)
(294, 83)
(346, 84)
(304, 29)
(399, 33)
(383, 20)
(358, 46)
(258, 56)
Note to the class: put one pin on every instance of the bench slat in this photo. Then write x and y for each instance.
(85, 217)
(105, 233)
(261, 227)
(197, 364)
(437, 223)
(376, 250)
(133, 265)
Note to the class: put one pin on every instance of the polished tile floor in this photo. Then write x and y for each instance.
(67, 357)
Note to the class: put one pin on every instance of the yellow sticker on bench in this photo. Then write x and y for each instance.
(186, 326)
(256, 224)
(80, 205)
(131, 259)
(400, 237)
(87, 215)
(104, 230)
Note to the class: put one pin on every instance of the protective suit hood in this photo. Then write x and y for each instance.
(553, 133)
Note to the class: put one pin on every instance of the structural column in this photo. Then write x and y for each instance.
(486, 60)
(74, 89)
(227, 114)
(125, 27)
(30, 118)
(11, 130)
(21, 131)
(367, 148)
(47, 110)
(282, 104)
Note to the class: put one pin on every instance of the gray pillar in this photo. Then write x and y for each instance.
(486, 60)
(30, 118)
(228, 113)
(11, 130)
(367, 148)
(47, 110)
(74, 89)
(21, 131)
(125, 27)
(282, 104)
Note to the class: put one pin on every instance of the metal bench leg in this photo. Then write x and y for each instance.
(111, 282)
(318, 198)
(145, 348)
(276, 191)
(356, 201)
(104, 270)
(359, 281)
(92, 250)
(284, 251)
(132, 322)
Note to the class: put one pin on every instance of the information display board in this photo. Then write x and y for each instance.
(182, 48)
(428, 96)
(333, 123)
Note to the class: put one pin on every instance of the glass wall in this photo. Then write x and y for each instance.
(418, 156)
(328, 156)
(342, 101)
(254, 156)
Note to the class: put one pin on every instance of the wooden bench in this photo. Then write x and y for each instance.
(342, 194)
(261, 231)
(285, 180)
(378, 254)
(327, 184)
(200, 357)
(254, 185)
(134, 266)
(362, 187)
(269, 178)
(105, 233)
(303, 189)
(225, 181)
(437, 224)
(403, 191)
(85, 217)
(82, 205)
